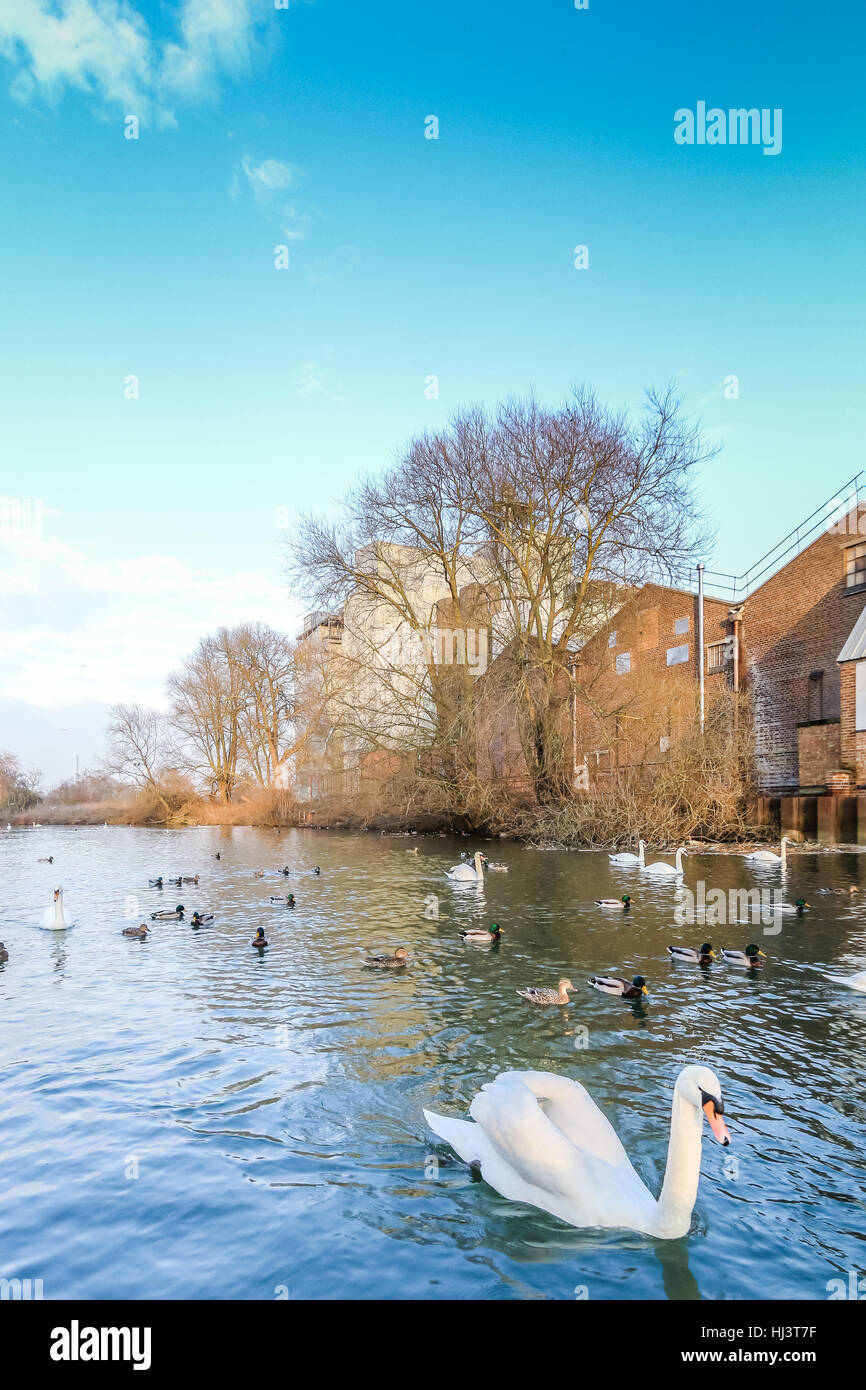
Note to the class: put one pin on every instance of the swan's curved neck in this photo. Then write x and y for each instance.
(479, 867)
(640, 854)
(58, 911)
(683, 1170)
(782, 848)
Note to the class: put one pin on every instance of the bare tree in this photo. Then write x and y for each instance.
(265, 660)
(544, 517)
(207, 697)
(19, 790)
(138, 748)
(233, 705)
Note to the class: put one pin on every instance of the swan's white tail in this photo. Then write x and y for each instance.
(464, 1136)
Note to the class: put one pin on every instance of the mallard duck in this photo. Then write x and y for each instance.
(49, 860)
(201, 919)
(701, 957)
(138, 932)
(487, 935)
(627, 860)
(497, 868)
(752, 956)
(4, 954)
(217, 855)
(317, 870)
(174, 882)
(623, 903)
(790, 909)
(155, 882)
(260, 939)
(168, 916)
(286, 901)
(285, 871)
(399, 958)
(613, 984)
(534, 995)
(194, 879)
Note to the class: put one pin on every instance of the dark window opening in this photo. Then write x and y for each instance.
(816, 695)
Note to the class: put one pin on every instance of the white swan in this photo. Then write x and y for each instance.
(464, 873)
(766, 856)
(54, 918)
(627, 860)
(668, 870)
(857, 982)
(541, 1139)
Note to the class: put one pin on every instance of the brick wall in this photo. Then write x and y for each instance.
(795, 624)
(819, 753)
(627, 716)
(853, 741)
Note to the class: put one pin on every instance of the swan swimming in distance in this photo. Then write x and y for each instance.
(628, 860)
(766, 856)
(857, 982)
(464, 873)
(541, 1139)
(54, 918)
(662, 869)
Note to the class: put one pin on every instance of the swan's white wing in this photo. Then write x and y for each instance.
(572, 1109)
(462, 871)
(852, 981)
(551, 1146)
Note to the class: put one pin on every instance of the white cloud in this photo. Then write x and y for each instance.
(269, 182)
(105, 48)
(271, 174)
(75, 630)
(312, 383)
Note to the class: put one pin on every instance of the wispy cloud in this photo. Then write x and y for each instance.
(271, 182)
(106, 49)
(312, 383)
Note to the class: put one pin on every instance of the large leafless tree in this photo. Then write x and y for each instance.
(545, 518)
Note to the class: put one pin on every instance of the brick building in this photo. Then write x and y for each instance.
(796, 644)
(793, 632)
(638, 678)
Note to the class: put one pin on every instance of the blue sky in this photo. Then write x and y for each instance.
(263, 389)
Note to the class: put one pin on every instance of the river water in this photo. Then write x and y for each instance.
(186, 1117)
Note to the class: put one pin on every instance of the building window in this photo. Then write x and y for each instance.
(611, 639)
(860, 696)
(716, 652)
(816, 695)
(677, 655)
(855, 567)
(623, 663)
(681, 627)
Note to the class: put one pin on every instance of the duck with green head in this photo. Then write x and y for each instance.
(485, 936)
(753, 957)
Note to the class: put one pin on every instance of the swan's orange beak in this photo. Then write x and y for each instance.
(716, 1123)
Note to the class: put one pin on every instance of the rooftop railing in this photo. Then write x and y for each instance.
(737, 587)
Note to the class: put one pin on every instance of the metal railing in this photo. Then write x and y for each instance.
(737, 587)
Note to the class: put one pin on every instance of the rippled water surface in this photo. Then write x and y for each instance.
(270, 1103)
